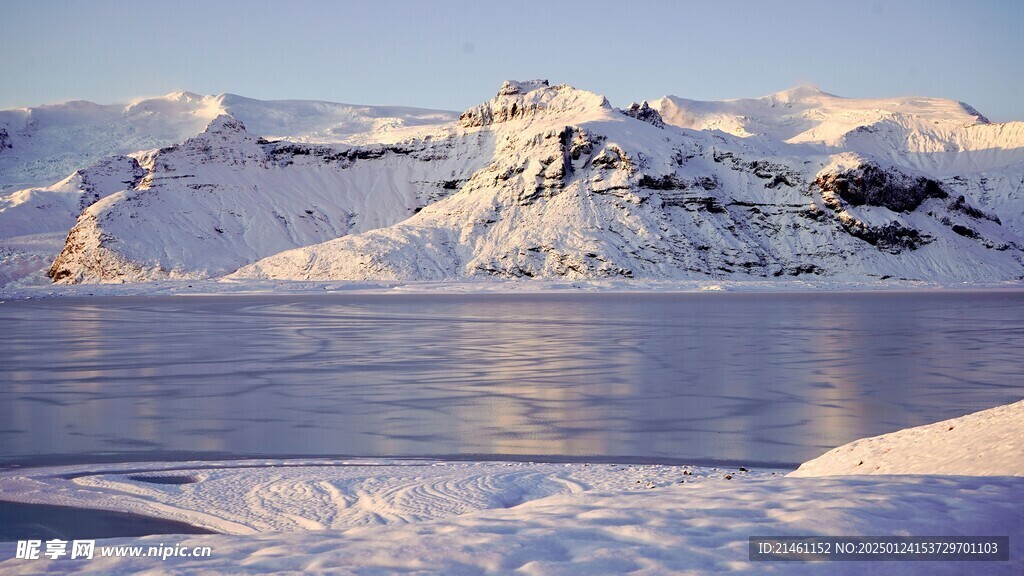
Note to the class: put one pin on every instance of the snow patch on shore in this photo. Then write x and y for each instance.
(986, 443)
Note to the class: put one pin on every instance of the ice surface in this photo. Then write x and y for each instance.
(692, 377)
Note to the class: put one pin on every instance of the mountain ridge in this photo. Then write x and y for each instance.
(552, 182)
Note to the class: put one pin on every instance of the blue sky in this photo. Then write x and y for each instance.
(453, 54)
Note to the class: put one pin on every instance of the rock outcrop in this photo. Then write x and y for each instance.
(645, 113)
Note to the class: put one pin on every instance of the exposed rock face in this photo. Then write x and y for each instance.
(645, 113)
(107, 176)
(970, 110)
(512, 87)
(871, 185)
(893, 237)
(961, 205)
(5, 140)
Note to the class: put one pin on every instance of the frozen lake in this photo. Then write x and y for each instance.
(755, 378)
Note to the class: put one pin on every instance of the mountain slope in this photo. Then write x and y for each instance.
(42, 144)
(55, 208)
(34, 222)
(226, 198)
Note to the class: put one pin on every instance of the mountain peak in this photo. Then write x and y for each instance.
(799, 93)
(183, 96)
(510, 87)
(522, 99)
(225, 124)
(645, 113)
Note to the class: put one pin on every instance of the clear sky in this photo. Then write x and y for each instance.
(453, 54)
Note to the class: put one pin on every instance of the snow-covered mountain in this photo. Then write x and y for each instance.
(806, 114)
(42, 144)
(939, 137)
(226, 198)
(553, 182)
(100, 143)
(578, 189)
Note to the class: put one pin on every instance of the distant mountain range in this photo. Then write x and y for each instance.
(546, 182)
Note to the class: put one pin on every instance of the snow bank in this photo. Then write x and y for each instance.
(987, 443)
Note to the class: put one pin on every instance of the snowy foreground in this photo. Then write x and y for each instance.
(958, 477)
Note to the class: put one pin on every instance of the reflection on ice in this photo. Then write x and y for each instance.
(743, 377)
